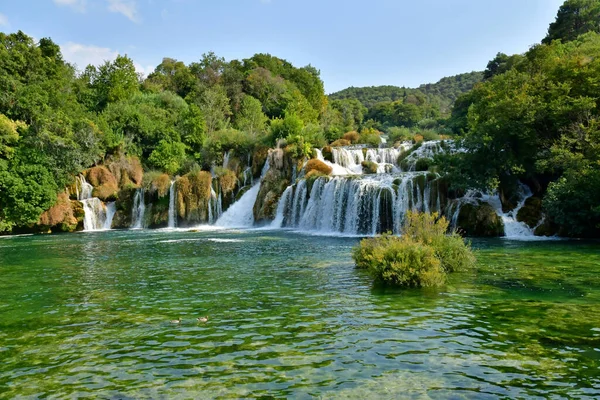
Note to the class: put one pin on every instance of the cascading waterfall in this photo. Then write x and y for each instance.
(139, 209)
(240, 214)
(365, 206)
(172, 215)
(215, 206)
(97, 215)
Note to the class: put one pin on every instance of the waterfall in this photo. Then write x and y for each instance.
(226, 158)
(139, 209)
(278, 221)
(97, 215)
(215, 206)
(172, 214)
(365, 206)
(240, 214)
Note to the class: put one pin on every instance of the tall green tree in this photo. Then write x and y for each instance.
(574, 18)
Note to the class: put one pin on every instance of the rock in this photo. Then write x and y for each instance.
(480, 220)
(531, 212)
(327, 153)
(546, 228)
(64, 216)
(272, 187)
(124, 206)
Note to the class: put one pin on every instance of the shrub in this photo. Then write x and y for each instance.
(157, 182)
(370, 136)
(227, 179)
(318, 165)
(423, 164)
(418, 138)
(430, 229)
(340, 143)
(429, 135)
(399, 134)
(351, 136)
(420, 258)
(400, 262)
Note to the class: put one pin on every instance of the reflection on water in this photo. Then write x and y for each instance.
(289, 316)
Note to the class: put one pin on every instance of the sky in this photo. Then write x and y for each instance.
(352, 42)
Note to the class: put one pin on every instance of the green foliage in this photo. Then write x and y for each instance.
(168, 156)
(420, 258)
(399, 134)
(575, 17)
(251, 118)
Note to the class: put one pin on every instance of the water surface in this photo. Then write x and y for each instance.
(88, 314)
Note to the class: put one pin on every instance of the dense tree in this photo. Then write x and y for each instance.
(575, 17)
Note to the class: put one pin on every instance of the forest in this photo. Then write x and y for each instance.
(530, 117)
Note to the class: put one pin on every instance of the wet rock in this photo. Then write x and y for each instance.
(480, 220)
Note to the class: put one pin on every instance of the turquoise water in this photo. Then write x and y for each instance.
(88, 315)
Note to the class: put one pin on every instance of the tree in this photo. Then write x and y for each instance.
(574, 18)
(215, 107)
(168, 156)
(251, 118)
(113, 81)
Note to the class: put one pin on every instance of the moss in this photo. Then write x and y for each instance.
(63, 216)
(259, 158)
(531, 212)
(319, 166)
(423, 164)
(369, 167)
(127, 170)
(193, 194)
(340, 143)
(228, 181)
(124, 206)
(272, 187)
(480, 220)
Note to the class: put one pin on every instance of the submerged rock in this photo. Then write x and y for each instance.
(480, 220)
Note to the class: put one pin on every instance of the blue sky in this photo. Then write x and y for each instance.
(352, 42)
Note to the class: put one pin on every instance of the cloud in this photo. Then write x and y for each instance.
(83, 55)
(3, 20)
(126, 7)
(77, 5)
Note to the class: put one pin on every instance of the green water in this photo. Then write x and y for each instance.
(87, 315)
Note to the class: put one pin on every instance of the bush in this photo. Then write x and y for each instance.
(399, 134)
(351, 136)
(429, 135)
(340, 143)
(400, 262)
(370, 137)
(318, 165)
(420, 258)
(423, 164)
(157, 182)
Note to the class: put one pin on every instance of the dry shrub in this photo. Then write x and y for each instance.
(228, 181)
(418, 138)
(340, 143)
(318, 165)
(157, 182)
(101, 175)
(314, 174)
(351, 136)
(106, 192)
(127, 170)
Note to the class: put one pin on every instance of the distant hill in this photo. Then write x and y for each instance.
(444, 92)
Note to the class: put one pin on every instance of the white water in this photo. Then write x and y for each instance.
(139, 209)
(368, 205)
(172, 215)
(241, 213)
(97, 215)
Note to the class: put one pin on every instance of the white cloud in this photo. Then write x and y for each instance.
(126, 7)
(77, 5)
(83, 55)
(3, 20)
